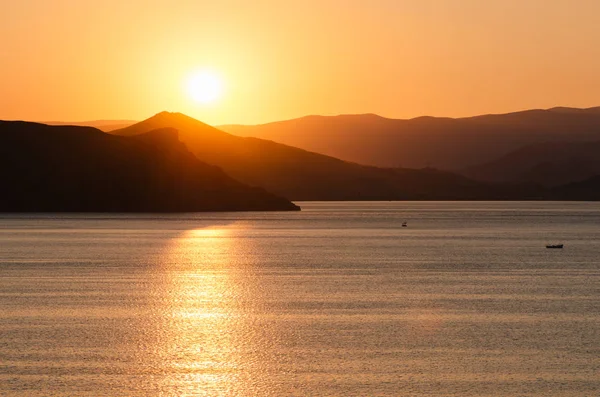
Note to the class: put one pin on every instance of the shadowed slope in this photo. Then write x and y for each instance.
(66, 168)
(588, 189)
(549, 164)
(302, 175)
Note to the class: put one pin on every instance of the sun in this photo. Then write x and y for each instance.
(205, 86)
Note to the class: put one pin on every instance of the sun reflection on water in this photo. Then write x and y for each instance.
(202, 325)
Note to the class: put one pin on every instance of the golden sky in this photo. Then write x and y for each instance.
(76, 60)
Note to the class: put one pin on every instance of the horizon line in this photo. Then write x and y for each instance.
(309, 116)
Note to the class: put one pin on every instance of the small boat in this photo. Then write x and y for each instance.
(404, 224)
(555, 246)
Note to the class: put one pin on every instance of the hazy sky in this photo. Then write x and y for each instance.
(80, 60)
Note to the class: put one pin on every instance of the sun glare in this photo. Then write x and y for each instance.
(205, 86)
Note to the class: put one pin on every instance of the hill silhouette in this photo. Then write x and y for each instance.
(67, 168)
(443, 143)
(102, 125)
(301, 175)
(549, 164)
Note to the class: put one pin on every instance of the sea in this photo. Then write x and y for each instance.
(336, 300)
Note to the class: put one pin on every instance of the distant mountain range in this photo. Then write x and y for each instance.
(443, 143)
(549, 147)
(81, 169)
(172, 162)
(301, 175)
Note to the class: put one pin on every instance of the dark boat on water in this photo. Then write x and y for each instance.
(555, 246)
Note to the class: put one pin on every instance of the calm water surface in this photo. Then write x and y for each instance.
(338, 299)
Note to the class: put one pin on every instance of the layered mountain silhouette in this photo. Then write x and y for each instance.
(443, 143)
(549, 164)
(301, 175)
(67, 168)
(172, 162)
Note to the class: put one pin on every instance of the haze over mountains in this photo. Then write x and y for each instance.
(69, 168)
(443, 143)
(301, 175)
(538, 146)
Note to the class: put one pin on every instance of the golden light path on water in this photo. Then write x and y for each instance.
(206, 343)
(199, 303)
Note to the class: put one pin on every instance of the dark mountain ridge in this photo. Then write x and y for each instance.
(81, 169)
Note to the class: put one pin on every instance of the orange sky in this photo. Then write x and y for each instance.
(80, 60)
